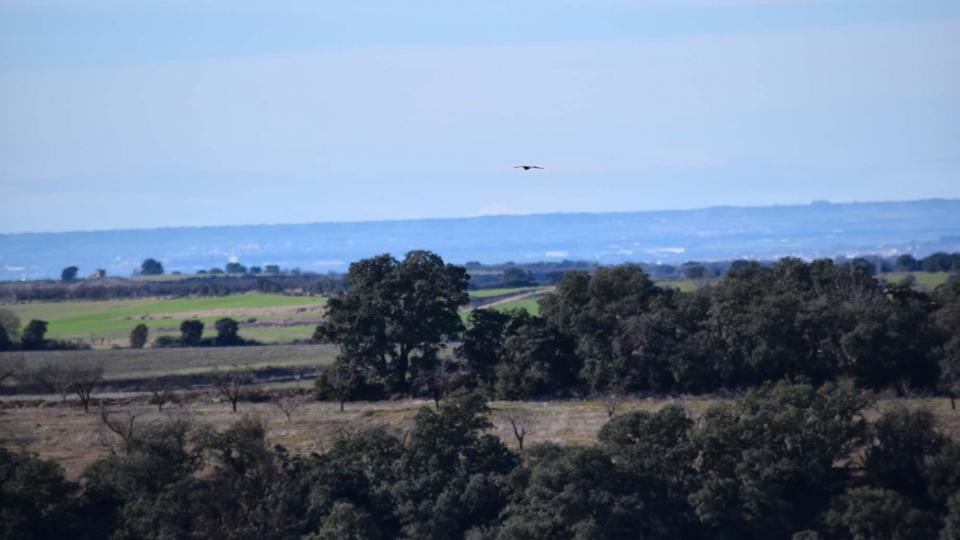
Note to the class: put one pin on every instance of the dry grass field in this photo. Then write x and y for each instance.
(121, 364)
(64, 433)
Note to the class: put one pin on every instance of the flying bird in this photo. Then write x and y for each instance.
(526, 167)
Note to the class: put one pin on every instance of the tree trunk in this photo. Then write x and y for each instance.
(341, 406)
(400, 368)
(233, 403)
(953, 402)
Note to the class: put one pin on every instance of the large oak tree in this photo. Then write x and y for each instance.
(396, 312)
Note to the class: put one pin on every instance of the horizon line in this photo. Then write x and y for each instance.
(480, 216)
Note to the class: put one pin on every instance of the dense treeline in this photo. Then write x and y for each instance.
(106, 289)
(236, 279)
(615, 331)
(788, 460)
(31, 338)
(755, 324)
(513, 274)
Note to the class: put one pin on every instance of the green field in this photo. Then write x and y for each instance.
(925, 279)
(113, 319)
(531, 304)
(683, 285)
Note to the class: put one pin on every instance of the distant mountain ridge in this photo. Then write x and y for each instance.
(820, 229)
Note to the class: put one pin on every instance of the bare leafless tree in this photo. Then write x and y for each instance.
(611, 403)
(161, 393)
(82, 382)
(54, 378)
(344, 382)
(229, 384)
(288, 404)
(613, 399)
(522, 425)
(123, 425)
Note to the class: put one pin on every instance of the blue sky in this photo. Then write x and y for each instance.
(117, 114)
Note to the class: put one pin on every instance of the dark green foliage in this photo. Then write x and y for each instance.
(592, 308)
(164, 342)
(484, 342)
(347, 522)
(235, 268)
(434, 377)
(756, 324)
(517, 355)
(9, 329)
(395, 312)
(138, 336)
(69, 273)
(148, 490)
(783, 462)
(576, 493)
(906, 263)
(769, 461)
(878, 514)
(951, 523)
(946, 321)
(191, 332)
(451, 478)
(941, 472)
(342, 382)
(941, 262)
(35, 499)
(227, 329)
(34, 335)
(10, 323)
(656, 456)
(516, 277)
(151, 267)
(694, 272)
(538, 360)
(903, 439)
(6, 343)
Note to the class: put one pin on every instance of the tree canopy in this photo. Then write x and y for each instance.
(394, 313)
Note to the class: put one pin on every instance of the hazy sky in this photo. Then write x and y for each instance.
(118, 113)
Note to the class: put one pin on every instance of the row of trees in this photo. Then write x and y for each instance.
(787, 461)
(210, 285)
(33, 337)
(614, 331)
(936, 262)
(191, 335)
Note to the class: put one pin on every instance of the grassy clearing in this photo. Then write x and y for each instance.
(925, 279)
(75, 439)
(531, 304)
(683, 285)
(113, 319)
